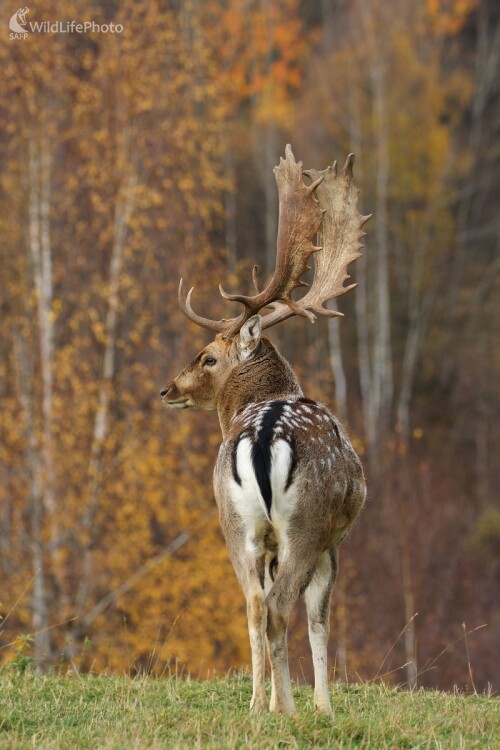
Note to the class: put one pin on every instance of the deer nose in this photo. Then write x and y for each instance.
(164, 392)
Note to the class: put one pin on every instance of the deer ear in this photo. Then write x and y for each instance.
(249, 336)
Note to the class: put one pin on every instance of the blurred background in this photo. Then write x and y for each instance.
(131, 159)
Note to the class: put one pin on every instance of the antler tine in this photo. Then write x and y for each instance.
(347, 168)
(280, 312)
(185, 305)
(255, 278)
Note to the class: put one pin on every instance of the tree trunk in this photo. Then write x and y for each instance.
(34, 470)
(382, 356)
(410, 614)
(271, 196)
(41, 456)
(230, 234)
(337, 366)
(361, 307)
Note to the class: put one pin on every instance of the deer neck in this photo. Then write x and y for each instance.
(266, 376)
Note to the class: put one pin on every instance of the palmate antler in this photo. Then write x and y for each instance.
(327, 208)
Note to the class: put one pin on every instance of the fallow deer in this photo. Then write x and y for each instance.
(287, 481)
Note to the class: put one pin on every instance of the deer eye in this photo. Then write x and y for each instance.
(210, 361)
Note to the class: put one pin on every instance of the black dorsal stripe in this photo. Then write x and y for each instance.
(234, 463)
(261, 451)
(293, 463)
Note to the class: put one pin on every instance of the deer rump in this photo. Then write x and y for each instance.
(278, 450)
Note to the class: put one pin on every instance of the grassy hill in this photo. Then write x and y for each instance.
(118, 712)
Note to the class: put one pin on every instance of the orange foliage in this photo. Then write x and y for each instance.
(121, 154)
(447, 17)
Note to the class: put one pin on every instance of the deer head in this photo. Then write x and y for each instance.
(199, 385)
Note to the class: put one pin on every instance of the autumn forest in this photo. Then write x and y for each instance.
(131, 159)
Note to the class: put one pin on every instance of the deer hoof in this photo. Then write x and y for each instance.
(259, 707)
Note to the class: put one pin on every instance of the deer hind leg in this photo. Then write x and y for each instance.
(318, 595)
(292, 577)
(257, 617)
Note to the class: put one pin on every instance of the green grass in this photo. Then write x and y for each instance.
(118, 712)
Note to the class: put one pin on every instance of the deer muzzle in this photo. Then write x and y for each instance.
(170, 396)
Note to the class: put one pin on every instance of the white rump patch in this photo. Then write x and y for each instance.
(281, 459)
(247, 498)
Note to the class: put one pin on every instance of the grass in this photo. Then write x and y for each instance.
(119, 712)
